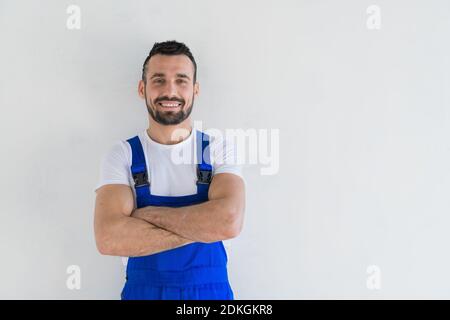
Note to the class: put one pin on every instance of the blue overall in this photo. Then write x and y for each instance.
(196, 271)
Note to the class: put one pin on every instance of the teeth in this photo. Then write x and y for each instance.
(170, 104)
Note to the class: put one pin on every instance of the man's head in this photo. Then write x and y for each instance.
(168, 82)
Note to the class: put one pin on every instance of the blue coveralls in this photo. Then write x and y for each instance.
(196, 271)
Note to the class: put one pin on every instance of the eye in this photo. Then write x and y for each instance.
(159, 80)
(182, 81)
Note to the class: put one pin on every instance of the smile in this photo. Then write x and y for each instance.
(171, 104)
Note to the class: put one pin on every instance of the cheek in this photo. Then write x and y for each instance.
(152, 95)
(187, 94)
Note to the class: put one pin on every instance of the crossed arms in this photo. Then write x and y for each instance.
(121, 230)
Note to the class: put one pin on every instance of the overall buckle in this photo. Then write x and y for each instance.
(204, 176)
(140, 179)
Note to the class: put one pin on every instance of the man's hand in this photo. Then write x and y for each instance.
(117, 233)
(219, 218)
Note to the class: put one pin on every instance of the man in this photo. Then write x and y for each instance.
(168, 217)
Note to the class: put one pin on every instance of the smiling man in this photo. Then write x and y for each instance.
(170, 218)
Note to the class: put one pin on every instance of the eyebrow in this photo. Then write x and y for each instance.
(179, 75)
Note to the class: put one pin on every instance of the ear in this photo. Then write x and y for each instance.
(141, 89)
(196, 89)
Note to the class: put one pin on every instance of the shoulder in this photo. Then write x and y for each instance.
(119, 150)
(114, 167)
(223, 154)
(222, 145)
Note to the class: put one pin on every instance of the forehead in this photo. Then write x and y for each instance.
(170, 65)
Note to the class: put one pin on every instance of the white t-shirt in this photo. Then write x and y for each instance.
(171, 168)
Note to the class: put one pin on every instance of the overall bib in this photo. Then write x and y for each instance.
(196, 271)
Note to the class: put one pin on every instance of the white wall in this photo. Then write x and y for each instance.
(363, 116)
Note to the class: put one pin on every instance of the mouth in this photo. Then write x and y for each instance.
(169, 104)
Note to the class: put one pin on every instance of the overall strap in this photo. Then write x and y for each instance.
(139, 171)
(204, 168)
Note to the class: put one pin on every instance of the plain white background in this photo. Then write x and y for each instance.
(364, 139)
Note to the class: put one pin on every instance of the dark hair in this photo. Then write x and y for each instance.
(169, 48)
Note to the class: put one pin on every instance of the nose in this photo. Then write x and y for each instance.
(170, 90)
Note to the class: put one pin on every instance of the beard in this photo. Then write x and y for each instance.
(168, 118)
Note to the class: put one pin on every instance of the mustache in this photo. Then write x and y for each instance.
(167, 99)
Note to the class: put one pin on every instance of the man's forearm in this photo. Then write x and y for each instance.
(210, 221)
(131, 237)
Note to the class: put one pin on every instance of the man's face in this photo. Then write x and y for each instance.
(169, 89)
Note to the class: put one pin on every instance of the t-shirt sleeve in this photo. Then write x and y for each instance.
(223, 152)
(224, 156)
(114, 168)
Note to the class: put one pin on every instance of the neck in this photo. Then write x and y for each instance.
(169, 134)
